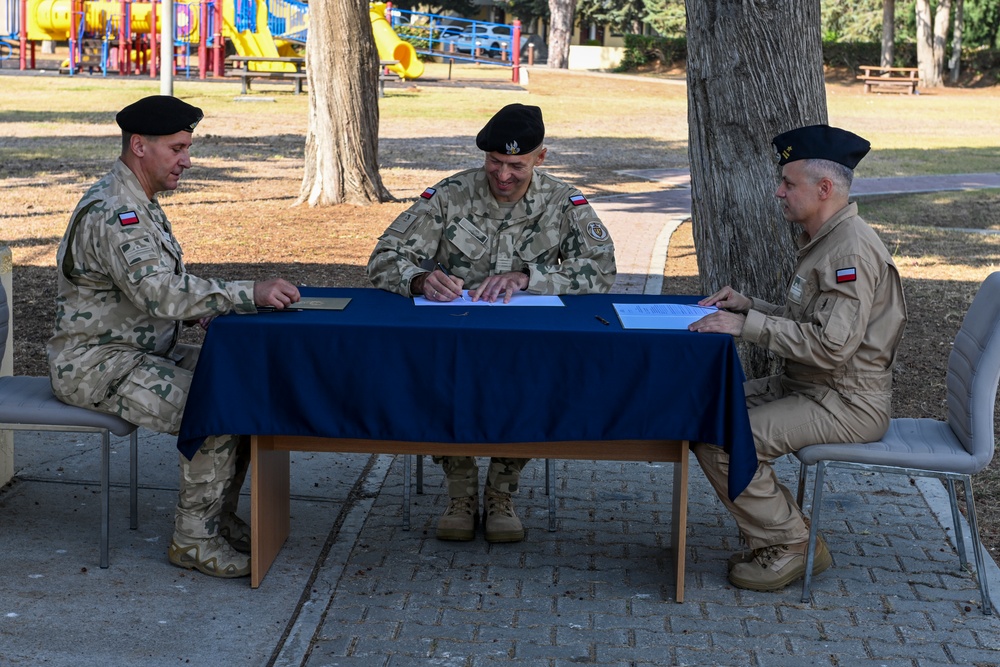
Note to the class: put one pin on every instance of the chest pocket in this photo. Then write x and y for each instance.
(467, 238)
(801, 292)
(533, 247)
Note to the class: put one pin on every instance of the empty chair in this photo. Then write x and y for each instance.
(951, 450)
(27, 404)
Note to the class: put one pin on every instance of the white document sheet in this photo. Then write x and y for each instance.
(519, 299)
(660, 315)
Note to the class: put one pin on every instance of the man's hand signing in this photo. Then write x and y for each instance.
(437, 286)
(507, 283)
(278, 293)
(721, 321)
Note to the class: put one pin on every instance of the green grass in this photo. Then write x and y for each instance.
(945, 132)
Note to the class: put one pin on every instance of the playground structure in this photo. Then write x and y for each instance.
(122, 35)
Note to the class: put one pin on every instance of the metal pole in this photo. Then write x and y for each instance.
(167, 48)
(515, 52)
(22, 55)
(152, 39)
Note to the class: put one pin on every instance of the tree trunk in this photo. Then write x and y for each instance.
(925, 46)
(932, 38)
(341, 153)
(560, 32)
(888, 32)
(747, 83)
(955, 65)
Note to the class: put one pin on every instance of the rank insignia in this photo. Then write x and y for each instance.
(428, 193)
(577, 200)
(847, 275)
(128, 218)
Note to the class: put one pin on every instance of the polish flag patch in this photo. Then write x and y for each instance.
(428, 193)
(577, 200)
(847, 275)
(128, 218)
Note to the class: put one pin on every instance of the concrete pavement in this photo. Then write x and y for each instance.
(351, 587)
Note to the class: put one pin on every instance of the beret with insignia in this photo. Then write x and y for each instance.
(821, 142)
(514, 130)
(159, 115)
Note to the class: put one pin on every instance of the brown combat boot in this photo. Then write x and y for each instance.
(209, 555)
(502, 524)
(458, 523)
(236, 531)
(774, 567)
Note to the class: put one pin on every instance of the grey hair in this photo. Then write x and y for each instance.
(841, 176)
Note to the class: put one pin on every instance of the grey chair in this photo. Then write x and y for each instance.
(951, 450)
(27, 404)
(550, 489)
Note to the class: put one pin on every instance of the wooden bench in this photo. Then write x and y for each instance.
(385, 74)
(901, 80)
(280, 69)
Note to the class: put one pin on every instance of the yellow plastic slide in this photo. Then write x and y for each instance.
(391, 47)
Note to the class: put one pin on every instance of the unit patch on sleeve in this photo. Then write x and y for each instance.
(138, 251)
(847, 275)
(128, 218)
(577, 200)
(597, 231)
(428, 193)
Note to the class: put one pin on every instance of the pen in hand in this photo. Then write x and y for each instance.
(446, 272)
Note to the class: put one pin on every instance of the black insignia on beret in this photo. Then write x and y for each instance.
(159, 115)
(514, 130)
(820, 142)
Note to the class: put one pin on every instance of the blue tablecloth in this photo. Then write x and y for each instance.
(386, 369)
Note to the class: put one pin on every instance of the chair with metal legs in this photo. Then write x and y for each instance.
(951, 450)
(27, 404)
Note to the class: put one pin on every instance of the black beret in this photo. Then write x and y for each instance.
(159, 115)
(514, 130)
(821, 142)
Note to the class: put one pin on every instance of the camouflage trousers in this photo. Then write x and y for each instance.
(153, 395)
(462, 474)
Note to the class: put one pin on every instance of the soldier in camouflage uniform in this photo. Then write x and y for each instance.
(498, 229)
(123, 296)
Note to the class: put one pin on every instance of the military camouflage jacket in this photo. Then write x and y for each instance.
(122, 290)
(552, 232)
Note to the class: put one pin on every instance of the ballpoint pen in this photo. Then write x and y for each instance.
(448, 273)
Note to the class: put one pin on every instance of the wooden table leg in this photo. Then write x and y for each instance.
(269, 505)
(678, 521)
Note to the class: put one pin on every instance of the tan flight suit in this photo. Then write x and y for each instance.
(123, 293)
(551, 233)
(837, 332)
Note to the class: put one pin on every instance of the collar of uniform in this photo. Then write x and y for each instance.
(520, 207)
(848, 211)
(122, 172)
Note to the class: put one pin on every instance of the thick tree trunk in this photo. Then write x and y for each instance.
(888, 32)
(341, 154)
(955, 64)
(560, 32)
(747, 82)
(932, 38)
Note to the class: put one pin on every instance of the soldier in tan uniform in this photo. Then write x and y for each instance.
(123, 296)
(837, 332)
(496, 230)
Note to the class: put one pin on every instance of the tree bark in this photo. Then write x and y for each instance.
(560, 32)
(955, 65)
(932, 36)
(341, 152)
(747, 83)
(888, 32)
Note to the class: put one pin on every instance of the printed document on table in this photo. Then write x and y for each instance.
(519, 299)
(660, 315)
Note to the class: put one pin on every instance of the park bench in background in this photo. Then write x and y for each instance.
(260, 67)
(902, 80)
